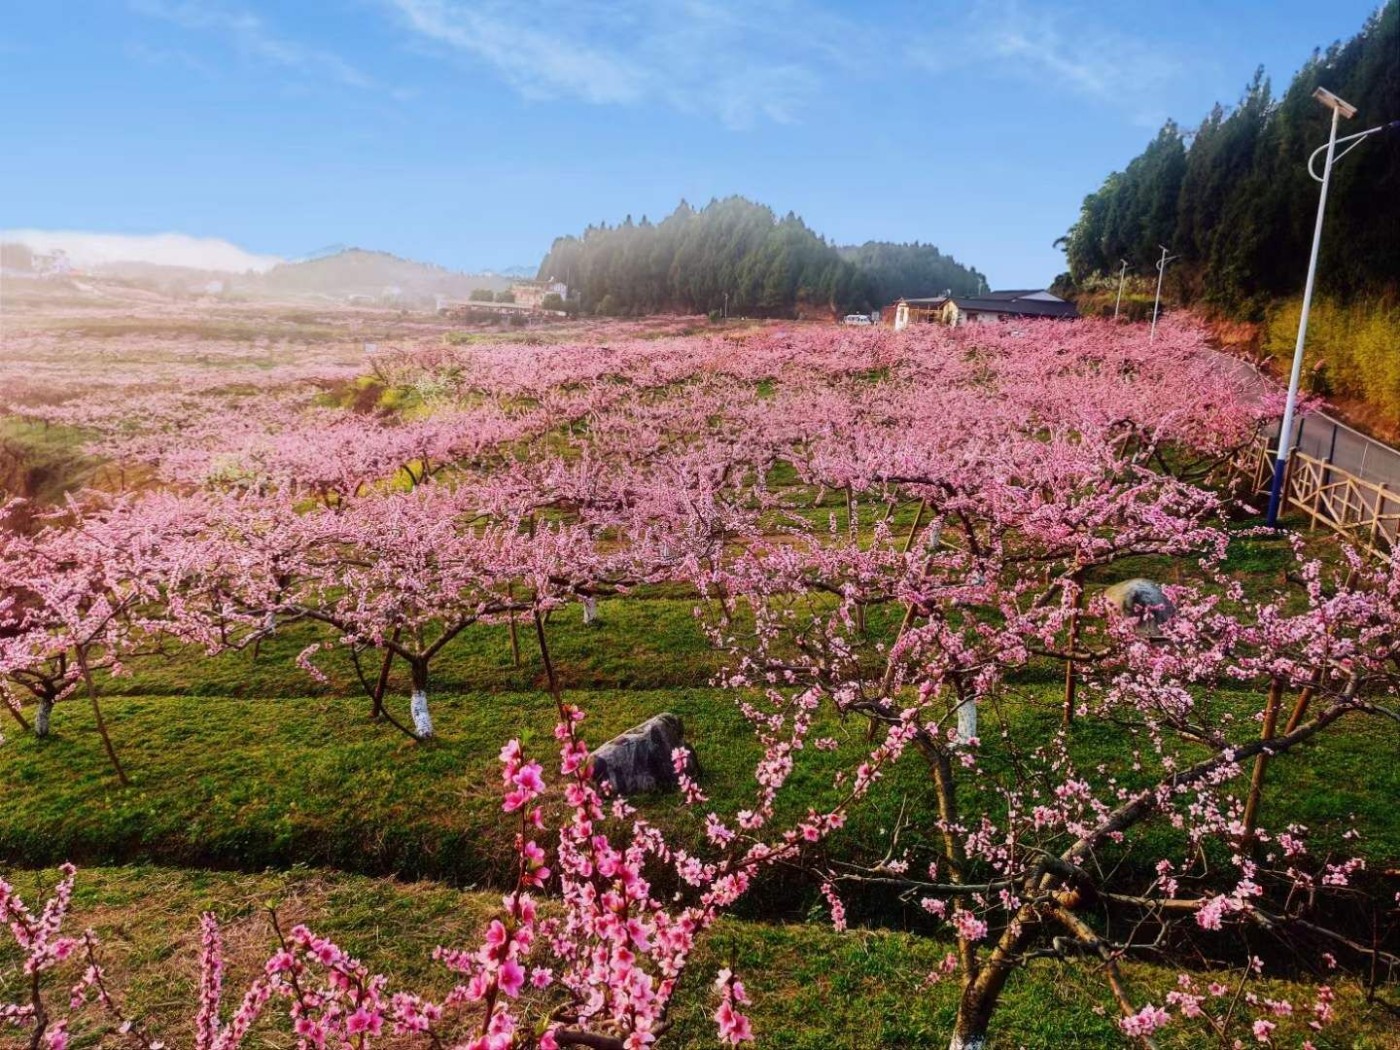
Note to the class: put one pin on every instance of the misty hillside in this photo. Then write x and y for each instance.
(342, 275)
(368, 274)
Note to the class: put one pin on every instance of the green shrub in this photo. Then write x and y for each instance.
(1352, 350)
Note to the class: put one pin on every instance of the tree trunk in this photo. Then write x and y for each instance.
(1071, 678)
(269, 625)
(382, 683)
(968, 1040)
(418, 707)
(102, 723)
(1261, 760)
(43, 716)
(967, 720)
(974, 1015)
(15, 713)
(590, 608)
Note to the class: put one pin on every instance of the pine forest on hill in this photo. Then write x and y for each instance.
(765, 266)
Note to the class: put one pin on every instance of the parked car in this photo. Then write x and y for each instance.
(856, 319)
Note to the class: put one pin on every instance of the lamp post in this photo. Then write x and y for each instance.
(1340, 108)
(1161, 272)
(1122, 275)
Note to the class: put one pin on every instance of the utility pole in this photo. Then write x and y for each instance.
(1156, 303)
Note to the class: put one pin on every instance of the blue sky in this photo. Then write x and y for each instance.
(471, 133)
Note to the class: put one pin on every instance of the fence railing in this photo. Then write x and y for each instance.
(1366, 512)
(1319, 435)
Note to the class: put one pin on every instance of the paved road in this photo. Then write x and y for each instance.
(1323, 437)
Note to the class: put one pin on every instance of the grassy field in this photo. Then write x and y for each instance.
(241, 761)
(813, 989)
(255, 785)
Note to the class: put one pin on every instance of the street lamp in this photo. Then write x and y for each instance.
(1340, 109)
(1161, 272)
(1122, 273)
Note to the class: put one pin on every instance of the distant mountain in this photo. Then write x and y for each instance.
(519, 273)
(178, 264)
(321, 253)
(362, 274)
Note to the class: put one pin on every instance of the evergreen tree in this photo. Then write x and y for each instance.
(1238, 206)
(765, 265)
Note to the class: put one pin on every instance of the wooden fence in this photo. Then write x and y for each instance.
(1366, 512)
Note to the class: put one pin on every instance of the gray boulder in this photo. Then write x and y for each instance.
(1143, 601)
(639, 760)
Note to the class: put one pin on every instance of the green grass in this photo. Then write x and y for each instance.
(235, 766)
(813, 989)
(249, 784)
(41, 462)
(638, 643)
(242, 761)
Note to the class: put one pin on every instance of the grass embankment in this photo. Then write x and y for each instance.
(236, 766)
(42, 463)
(813, 989)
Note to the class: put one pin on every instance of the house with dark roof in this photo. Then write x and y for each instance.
(981, 309)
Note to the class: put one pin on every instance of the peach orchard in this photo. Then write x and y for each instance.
(528, 479)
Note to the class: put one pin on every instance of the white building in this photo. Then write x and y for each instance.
(532, 293)
(981, 309)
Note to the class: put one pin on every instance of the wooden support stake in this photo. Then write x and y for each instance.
(1261, 760)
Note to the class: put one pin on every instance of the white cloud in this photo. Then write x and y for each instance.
(166, 249)
(250, 36)
(742, 62)
(1056, 46)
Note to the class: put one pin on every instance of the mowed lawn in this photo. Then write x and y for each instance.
(255, 785)
(241, 761)
(813, 989)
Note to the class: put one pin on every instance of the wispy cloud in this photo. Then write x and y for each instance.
(1055, 46)
(249, 35)
(743, 62)
(165, 249)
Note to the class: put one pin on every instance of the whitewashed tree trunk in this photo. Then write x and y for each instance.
(590, 608)
(41, 719)
(967, 720)
(970, 1042)
(422, 720)
(418, 706)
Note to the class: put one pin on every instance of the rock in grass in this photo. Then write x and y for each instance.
(640, 760)
(1143, 601)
